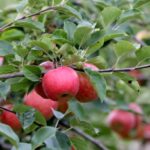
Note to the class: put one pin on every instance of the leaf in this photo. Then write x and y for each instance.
(143, 53)
(5, 48)
(69, 11)
(32, 73)
(39, 118)
(123, 47)
(58, 115)
(31, 24)
(23, 146)
(41, 135)
(82, 33)
(140, 3)
(4, 89)
(128, 15)
(10, 135)
(69, 28)
(98, 82)
(7, 69)
(12, 34)
(63, 140)
(110, 14)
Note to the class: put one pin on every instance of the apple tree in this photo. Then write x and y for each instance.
(74, 74)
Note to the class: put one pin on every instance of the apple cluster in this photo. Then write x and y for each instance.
(129, 124)
(56, 88)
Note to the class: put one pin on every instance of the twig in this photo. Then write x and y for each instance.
(85, 136)
(109, 70)
(139, 41)
(2, 108)
(25, 17)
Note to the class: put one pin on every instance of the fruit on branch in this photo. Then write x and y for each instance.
(47, 65)
(41, 104)
(1, 60)
(61, 84)
(138, 75)
(137, 113)
(10, 118)
(121, 122)
(86, 91)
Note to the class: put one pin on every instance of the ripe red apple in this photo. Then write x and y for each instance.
(137, 113)
(47, 65)
(41, 104)
(10, 118)
(86, 91)
(61, 84)
(121, 122)
(1, 60)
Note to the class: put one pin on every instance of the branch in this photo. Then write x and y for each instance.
(109, 70)
(85, 136)
(25, 17)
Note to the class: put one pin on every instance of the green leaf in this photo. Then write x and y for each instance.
(82, 33)
(143, 53)
(98, 82)
(5, 48)
(110, 14)
(21, 50)
(63, 140)
(12, 34)
(58, 115)
(7, 69)
(31, 24)
(39, 44)
(140, 3)
(128, 15)
(69, 11)
(10, 135)
(23, 146)
(69, 28)
(39, 118)
(124, 47)
(4, 89)
(32, 73)
(41, 135)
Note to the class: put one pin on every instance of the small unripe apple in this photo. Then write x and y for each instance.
(86, 91)
(1, 60)
(10, 118)
(41, 104)
(47, 65)
(61, 84)
(121, 122)
(137, 113)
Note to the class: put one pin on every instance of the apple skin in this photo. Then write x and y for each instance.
(41, 104)
(1, 60)
(39, 89)
(10, 118)
(86, 91)
(61, 84)
(47, 65)
(121, 122)
(137, 109)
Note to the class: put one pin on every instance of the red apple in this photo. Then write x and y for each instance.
(1, 60)
(47, 65)
(146, 132)
(41, 104)
(86, 91)
(121, 122)
(137, 113)
(39, 90)
(61, 84)
(10, 118)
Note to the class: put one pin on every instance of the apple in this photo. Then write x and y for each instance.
(61, 84)
(86, 91)
(47, 65)
(121, 122)
(146, 131)
(39, 89)
(137, 113)
(1, 60)
(10, 118)
(41, 104)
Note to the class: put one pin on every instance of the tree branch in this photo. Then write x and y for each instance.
(25, 17)
(109, 70)
(85, 136)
